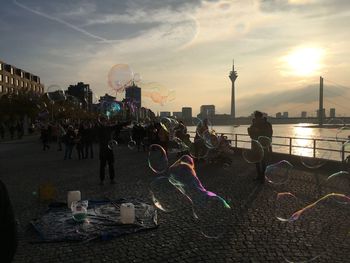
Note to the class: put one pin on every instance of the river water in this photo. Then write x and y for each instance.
(302, 139)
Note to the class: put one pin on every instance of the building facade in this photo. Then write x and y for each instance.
(133, 94)
(187, 113)
(207, 111)
(332, 112)
(15, 80)
(177, 114)
(83, 93)
(303, 114)
(165, 114)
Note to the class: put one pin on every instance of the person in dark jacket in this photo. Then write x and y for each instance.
(8, 228)
(106, 133)
(260, 128)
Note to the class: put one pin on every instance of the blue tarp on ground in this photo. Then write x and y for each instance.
(103, 221)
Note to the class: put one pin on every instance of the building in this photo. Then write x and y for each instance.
(233, 76)
(278, 115)
(332, 112)
(177, 114)
(83, 93)
(285, 115)
(207, 111)
(15, 80)
(324, 113)
(187, 113)
(165, 114)
(133, 94)
(303, 114)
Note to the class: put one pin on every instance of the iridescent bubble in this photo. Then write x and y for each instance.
(265, 142)
(132, 145)
(120, 76)
(55, 93)
(346, 149)
(253, 152)
(177, 146)
(158, 93)
(212, 214)
(343, 134)
(198, 149)
(278, 173)
(112, 144)
(157, 159)
(210, 139)
(315, 159)
(338, 183)
(164, 195)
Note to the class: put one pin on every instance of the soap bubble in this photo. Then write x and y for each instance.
(317, 159)
(343, 134)
(164, 195)
(338, 183)
(212, 214)
(198, 149)
(132, 145)
(278, 173)
(120, 76)
(265, 142)
(157, 159)
(346, 148)
(112, 144)
(315, 222)
(158, 93)
(253, 152)
(55, 93)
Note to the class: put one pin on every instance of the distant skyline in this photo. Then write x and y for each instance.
(280, 48)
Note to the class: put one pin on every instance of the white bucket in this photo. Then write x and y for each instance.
(73, 196)
(127, 213)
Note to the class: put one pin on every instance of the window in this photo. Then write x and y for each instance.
(0, 77)
(0, 88)
(17, 82)
(12, 81)
(22, 84)
(21, 74)
(26, 84)
(6, 79)
(0, 66)
(11, 70)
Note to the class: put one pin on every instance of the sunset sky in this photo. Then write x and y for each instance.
(280, 48)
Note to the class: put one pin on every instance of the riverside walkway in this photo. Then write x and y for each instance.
(253, 235)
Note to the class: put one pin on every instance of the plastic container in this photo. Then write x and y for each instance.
(127, 213)
(73, 196)
(79, 210)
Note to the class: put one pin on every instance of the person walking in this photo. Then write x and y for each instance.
(260, 127)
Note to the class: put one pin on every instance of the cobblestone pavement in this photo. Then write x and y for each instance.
(253, 234)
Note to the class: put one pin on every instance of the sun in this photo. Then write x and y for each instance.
(304, 61)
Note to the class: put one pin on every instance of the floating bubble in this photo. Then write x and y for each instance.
(346, 149)
(164, 195)
(55, 93)
(157, 159)
(338, 183)
(177, 146)
(137, 78)
(132, 145)
(212, 214)
(315, 159)
(265, 142)
(112, 144)
(253, 152)
(158, 93)
(120, 76)
(343, 134)
(210, 139)
(278, 173)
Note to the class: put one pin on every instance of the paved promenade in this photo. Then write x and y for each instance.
(253, 234)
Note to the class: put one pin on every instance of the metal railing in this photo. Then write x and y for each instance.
(296, 145)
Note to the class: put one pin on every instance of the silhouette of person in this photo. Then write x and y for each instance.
(8, 227)
(260, 127)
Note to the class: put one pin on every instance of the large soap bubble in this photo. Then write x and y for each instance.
(120, 76)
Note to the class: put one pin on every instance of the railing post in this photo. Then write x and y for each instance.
(314, 148)
(290, 146)
(342, 152)
(236, 140)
